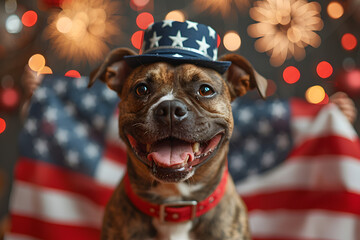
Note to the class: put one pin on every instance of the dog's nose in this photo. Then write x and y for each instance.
(171, 111)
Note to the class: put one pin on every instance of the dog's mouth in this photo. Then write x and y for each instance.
(172, 157)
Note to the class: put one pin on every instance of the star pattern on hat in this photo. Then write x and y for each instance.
(211, 32)
(203, 45)
(178, 39)
(167, 23)
(154, 41)
(193, 25)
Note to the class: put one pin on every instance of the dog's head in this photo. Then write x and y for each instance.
(176, 118)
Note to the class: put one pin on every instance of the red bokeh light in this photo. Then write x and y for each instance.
(291, 75)
(137, 39)
(218, 40)
(324, 69)
(144, 19)
(348, 41)
(10, 98)
(325, 100)
(29, 18)
(349, 82)
(73, 74)
(2, 125)
(137, 5)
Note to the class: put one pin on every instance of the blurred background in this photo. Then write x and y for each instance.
(306, 49)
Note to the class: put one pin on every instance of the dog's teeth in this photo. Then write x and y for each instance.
(186, 159)
(196, 147)
(148, 147)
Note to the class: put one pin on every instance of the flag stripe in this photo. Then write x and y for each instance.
(12, 236)
(313, 224)
(115, 152)
(326, 123)
(56, 206)
(300, 108)
(51, 231)
(51, 176)
(329, 145)
(109, 172)
(340, 201)
(314, 173)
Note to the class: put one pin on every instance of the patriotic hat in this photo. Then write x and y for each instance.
(177, 43)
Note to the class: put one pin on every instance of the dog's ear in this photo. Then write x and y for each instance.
(242, 77)
(114, 70)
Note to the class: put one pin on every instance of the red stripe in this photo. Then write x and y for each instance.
(300, 108)
(285, 238)
(115, 153)
(50, 176)
(51, 231)
(340, 201)
(329, 145)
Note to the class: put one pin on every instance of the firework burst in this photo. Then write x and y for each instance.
(220, 6)
(83, 28)
(285, 28)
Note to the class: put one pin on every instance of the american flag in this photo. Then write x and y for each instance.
(296, 165)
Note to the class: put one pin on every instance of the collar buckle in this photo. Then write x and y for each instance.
(192, 204)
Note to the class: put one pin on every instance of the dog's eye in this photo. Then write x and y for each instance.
(206, 91)
(141, 89)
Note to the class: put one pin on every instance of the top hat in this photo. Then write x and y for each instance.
(177, 43)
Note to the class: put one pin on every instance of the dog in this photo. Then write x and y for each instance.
(176, 120)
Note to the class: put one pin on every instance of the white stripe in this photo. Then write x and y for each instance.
(12, 236)
(304, 224)
(311, 173)
(329, 121)
(109, 173)
(54, 205)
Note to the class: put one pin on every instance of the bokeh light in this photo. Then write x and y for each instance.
(348, 41)
(232, 41)
(325, 100)
(13, 24)
(349, 82)
(324, 69)
(137, 38)
(138, 4)
(64, 24)
(144, 19)
(29, 18)
(218, 40)
(45, 70)
(73, 74)
(2, 125)
(36, 62)
(291, 74)
(175, 15)
(315, 94)
(10, 98)
(335, 10)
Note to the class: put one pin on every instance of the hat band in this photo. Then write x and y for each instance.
(155, 49)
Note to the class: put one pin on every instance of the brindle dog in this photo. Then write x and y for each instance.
(176, 121)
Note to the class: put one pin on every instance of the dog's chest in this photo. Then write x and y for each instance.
(173, 231)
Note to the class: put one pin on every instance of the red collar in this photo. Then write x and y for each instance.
(179, 211)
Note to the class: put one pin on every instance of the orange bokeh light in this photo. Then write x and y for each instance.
(2, 125)
(29, 18)
(315, 94)
(175, 15)
(291, 75)
(36, 62)
(144, 19)
(324, 69)
(137, 39)
(232, 41)
(348, 41)
(73, 74)
(335, 10)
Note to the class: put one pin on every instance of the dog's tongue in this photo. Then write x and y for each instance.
(170, 153)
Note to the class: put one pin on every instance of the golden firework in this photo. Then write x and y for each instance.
(285, 28)
(82, 29)
(222, 6)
